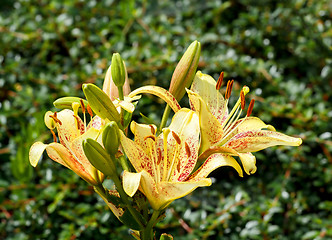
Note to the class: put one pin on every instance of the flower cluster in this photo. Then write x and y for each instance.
(161, 163)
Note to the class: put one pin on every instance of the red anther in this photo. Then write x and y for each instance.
(55, 118)
(77, 121)
(54, 136)
(229, 89)
(153, 131)
(243, 100)
(159, 156)
(89, 110)
(187, 149)
(151, 137)
(251, 106)
(220, 79)
(82, 105)
(176, 137)
(178, 167)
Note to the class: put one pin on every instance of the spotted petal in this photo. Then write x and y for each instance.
(205, 86)
(211, 129)
(252, 141)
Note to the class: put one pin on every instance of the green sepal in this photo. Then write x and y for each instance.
(111, 137)
(130, 221)
(118, 70)
(66, 102)
(165, 236)
(98, 157)
(100, 103)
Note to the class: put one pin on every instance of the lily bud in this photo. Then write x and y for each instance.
(110, 138)
(185, 71)
(67, 102)
(98, 157)
(100, 103)
(118, 70)
(111, 89)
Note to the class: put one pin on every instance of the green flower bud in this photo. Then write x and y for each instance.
(185, 71)
(66, 102)
(100, 103)
(98, 157)
(118, 71)
(111, 138)
(165, 236)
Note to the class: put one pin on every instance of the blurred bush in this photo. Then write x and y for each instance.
(280, 49)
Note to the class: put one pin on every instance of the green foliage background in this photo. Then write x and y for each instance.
(280, 49)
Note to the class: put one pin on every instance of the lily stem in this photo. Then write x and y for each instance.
(165, 117)
(147, 233)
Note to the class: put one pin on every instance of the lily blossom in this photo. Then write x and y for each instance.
(69, 152)
(164, 163)
(224, 134)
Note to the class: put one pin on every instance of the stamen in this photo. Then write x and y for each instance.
(82, 105)
(89, 110)
(243, 100)
(153, 131)
(77, 121)
(151, 137)
(165, 136)
(176, 137)
(178, 167)
(251, 106)
(229, 89)
(55, 118)
(220, 79)
(54, 136)
(187, 149)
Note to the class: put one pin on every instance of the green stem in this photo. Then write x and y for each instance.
(165, 117)
(147, 233)
(124, 163)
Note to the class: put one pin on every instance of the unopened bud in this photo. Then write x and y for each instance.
(67, 102)
(118, 70)
(185, 71)
(111, 89)
(111, 138)
(98, 157)
(100, 103)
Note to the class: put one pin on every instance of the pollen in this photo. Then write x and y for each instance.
(243, 100)
(229, 89)
(82, 106)
(251, 106)
(153, 131)
(219, 82)
(88, 108)
(151, 137)
(176, 137)
(55, 118)
(187, 149)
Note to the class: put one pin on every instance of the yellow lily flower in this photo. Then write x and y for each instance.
(164, 163)
(224, 134)
(69, 152)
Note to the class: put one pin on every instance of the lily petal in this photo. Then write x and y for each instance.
(205, 86)
(252, 141)
(186, 124)
(159, 92)
(249, 162)
(211, 129)
(161, 195)
(141, 131)
(60, 154)
(215, 161)
(131, 182)
(137, 156)
(70, 127)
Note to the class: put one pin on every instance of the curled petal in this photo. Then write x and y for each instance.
(131, 182)
(159, 92)
(249, 162)
(252, 141)
(215, 161)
